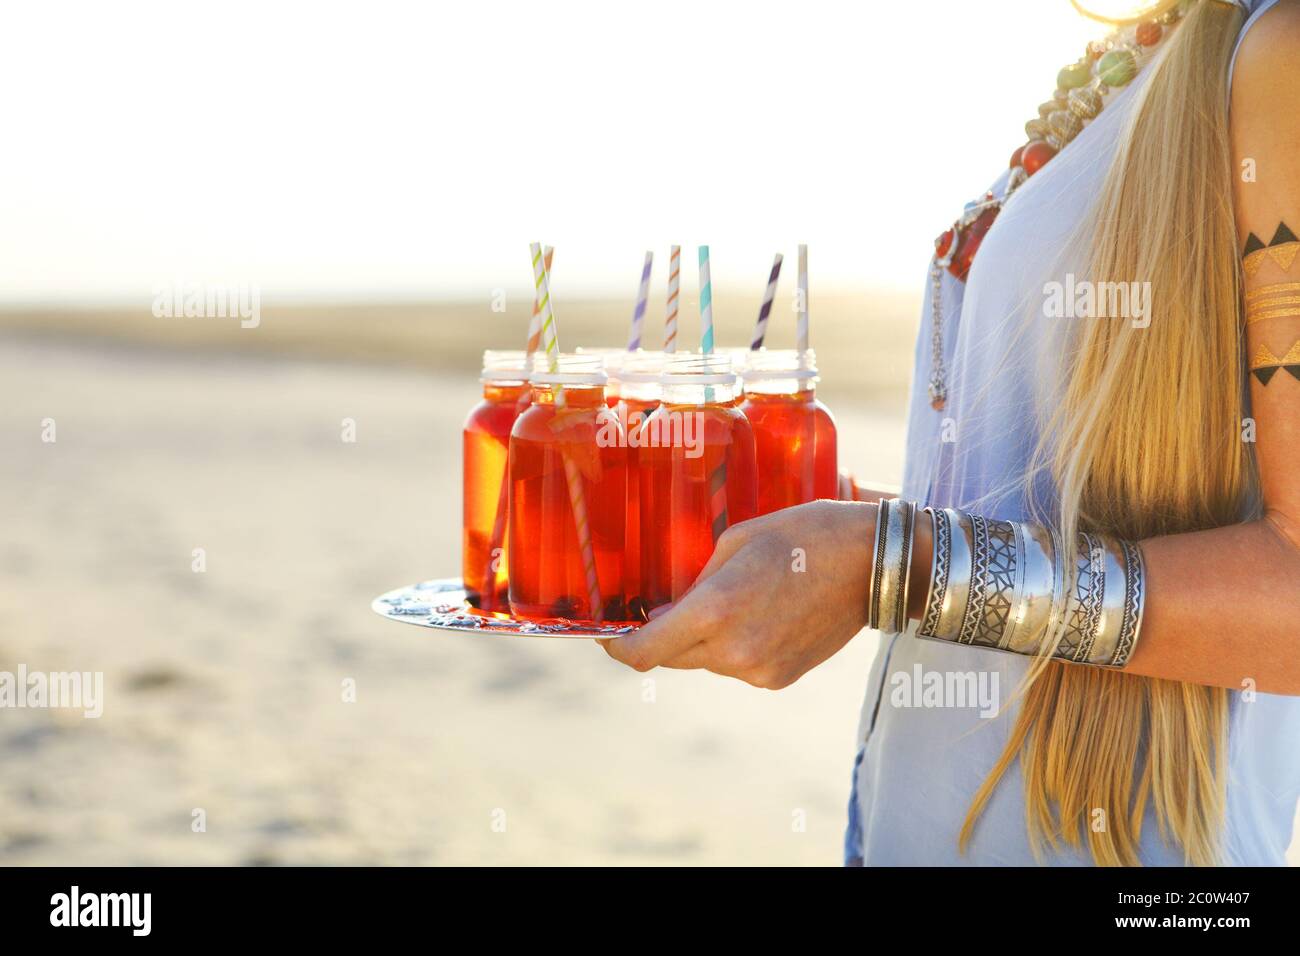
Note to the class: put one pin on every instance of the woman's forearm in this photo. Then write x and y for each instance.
(1222, 606)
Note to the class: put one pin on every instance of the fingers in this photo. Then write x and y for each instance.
(676, 637)
(700, 656)
(733, 539)
(697, 658)
(667, 636)
(654, 613)
(655, 643)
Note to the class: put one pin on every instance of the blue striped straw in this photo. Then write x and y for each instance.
(718, 519)
(706, 303)
(706, 312)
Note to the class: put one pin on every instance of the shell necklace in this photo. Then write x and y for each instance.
(1081, 92)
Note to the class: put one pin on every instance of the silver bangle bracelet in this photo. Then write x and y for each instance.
(905, 565)
(1003, 585)
(940, 562)
(1033, 617)
(1112, 605)
(877, 564)
(994, 568)
(1087, 594)
(1121, 604)
(954, 611)
(949, 593)
(1081, 606)
(1135, 573)
(890, 571)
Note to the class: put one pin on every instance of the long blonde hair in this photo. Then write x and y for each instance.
(1145, 441)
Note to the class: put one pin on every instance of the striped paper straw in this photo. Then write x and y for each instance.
(642, 295)
(717, 477)
(674, 286)
(760, 327)
(803, 298)
(577, 500)
(503, 499)
(535, 323)
(718, 498)
(706, 303)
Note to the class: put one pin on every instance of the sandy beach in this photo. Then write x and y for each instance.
(224, 689)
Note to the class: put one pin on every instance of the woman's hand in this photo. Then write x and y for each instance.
(781, 594)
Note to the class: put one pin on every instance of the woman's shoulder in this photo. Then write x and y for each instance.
(1265, 76)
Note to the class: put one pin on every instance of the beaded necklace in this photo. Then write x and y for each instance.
(1082, 89)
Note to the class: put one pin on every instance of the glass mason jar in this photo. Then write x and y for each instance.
(613, 362)
(696, 463)
(794, 433)
(640, 392)
(568, 497)
(485, 491)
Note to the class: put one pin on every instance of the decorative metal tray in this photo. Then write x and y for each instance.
(441, 604)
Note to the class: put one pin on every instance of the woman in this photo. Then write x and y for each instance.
(1106, 483)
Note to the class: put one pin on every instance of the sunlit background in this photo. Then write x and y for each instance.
(411, 150)
(376, 171)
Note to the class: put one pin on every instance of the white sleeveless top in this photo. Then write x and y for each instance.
(919, 766)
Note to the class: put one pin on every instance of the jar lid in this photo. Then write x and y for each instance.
(509, 365)
(771, 364)
(568, 369)
(696, 368)
(640, 368)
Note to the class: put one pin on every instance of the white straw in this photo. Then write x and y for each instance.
(803, 298)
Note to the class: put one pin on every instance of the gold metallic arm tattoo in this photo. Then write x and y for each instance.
(1282, 249)
(1276, 301)
(1280, 300)
(1266, 364)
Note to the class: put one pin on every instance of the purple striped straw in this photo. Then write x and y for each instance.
(765, 310)
(643, 294)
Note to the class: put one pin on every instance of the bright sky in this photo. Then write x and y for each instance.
(414, 149)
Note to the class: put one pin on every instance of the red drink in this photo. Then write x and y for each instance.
(639, 391)
(485, 448)
(794, 433)
(696, 462)
(567, 444)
